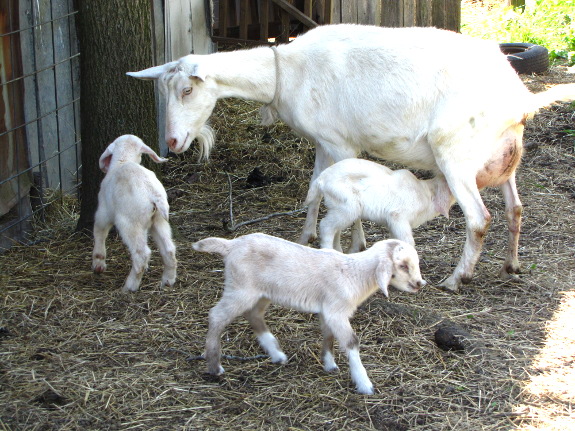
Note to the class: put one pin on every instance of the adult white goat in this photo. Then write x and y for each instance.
(134, 200)
(427, 98)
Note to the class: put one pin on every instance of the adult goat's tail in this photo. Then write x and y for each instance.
(559, 93)
(213, 245)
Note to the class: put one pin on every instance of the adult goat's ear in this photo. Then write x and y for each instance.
(152, 72)
(197, 71)
(106, 158)
(147, 150)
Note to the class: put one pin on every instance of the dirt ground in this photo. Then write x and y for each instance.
(75, 353)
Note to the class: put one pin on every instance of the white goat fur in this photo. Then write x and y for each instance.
(261, 269)
(134, 200)
(357, 189)
(399, 94)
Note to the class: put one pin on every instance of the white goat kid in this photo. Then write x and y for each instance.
(399, 94)
(261, 269)
(357, 189)
(134, 200)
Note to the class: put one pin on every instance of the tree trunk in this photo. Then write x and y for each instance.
(115, 37)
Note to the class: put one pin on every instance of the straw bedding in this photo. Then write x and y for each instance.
(75, 353)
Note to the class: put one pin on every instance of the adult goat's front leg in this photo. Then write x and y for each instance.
(513, 211)
(309, 234)
(477, 220)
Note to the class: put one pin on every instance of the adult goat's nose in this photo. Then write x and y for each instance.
(172, 142)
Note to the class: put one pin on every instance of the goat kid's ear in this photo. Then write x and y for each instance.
(147, 150)
(106, 158)
(152, 72)
(383, 274)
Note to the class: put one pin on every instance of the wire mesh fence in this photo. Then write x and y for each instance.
(40, 111)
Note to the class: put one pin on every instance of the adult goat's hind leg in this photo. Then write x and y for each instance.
(513, 211)
(477, 220)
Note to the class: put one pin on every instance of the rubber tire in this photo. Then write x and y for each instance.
(526, 57)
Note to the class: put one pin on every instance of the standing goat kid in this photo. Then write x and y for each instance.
(261, 269)
(356, 189)
(399, 94)
(134, 200)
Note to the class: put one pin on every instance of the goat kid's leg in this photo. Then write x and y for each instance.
(101, 229)
(348, 341)
(221, 315)
(513, 211)
(162, 236)
(357, 238)
(267, 341)
(137, 243)
(330, 232)
(477, 219)
(327, 356)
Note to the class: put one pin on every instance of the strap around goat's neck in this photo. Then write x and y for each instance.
(277, 64)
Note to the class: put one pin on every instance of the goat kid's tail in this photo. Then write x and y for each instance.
(213, 245)
(314, 193)
(559, 93)
(161, 204)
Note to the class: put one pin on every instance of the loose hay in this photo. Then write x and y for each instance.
(77, 354)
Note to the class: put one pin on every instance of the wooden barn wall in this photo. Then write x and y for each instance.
(399, 13)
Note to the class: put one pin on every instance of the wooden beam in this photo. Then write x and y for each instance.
(308, 22)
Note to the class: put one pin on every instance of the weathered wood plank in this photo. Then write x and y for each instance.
(424, 17)
(391, 13)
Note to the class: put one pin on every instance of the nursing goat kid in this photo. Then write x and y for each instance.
(134, 200)
(357, 189)
(398, 94)
(261, 269)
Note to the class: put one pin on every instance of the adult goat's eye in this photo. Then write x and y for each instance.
(187, 91)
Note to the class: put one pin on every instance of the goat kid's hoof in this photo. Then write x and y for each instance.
(217, 371)
(332, 369)
(129, 288)
(279, 358)
(168, 282)
(98, 266)
(365, 390)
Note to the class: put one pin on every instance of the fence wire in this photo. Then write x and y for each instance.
(40, 128)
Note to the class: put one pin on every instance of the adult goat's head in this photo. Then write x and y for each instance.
(190, 99)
